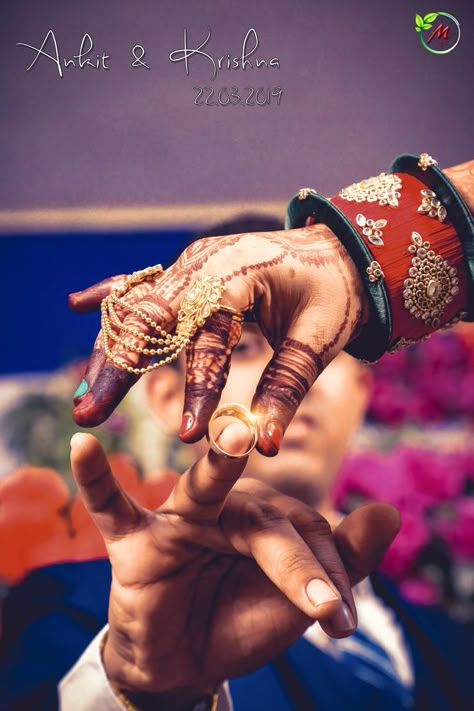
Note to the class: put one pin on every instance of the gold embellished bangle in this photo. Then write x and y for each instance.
(413, 268)
(415, 252)
(426, 169)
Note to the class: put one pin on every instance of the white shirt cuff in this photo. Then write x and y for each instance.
(85, 687)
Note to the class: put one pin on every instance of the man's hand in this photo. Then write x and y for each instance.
(224, 575)
(300, 285)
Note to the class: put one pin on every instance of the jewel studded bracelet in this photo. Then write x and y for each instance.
(411, 236)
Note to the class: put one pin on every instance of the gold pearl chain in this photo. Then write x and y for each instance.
(198, 304)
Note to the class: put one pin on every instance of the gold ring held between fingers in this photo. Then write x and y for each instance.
(237, 412)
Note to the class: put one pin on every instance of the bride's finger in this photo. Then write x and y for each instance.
(207, 367)
(101, 389)
(89, 299)
(296, 363)
(121, 355)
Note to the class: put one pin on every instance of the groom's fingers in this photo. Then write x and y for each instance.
(201, 492)
(316, 533)
(364, 537)
(113, 512)
(307, 571)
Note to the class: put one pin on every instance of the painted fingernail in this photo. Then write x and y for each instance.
(343, 620)
(186, 423)
(320, 592)
(82, 389)
(84, 402)
(274, 433)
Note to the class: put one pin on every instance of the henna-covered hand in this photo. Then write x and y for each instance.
(300, 286)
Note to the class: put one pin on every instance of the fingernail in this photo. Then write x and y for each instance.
(82, 389)
(186, 423)
(274, 433)
(319, 592)
(84, 402)
(343, 620)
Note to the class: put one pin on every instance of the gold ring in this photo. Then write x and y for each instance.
(236, 314)
(199, 302)
(238, 412)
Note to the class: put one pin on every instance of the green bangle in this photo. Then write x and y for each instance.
(372, 343)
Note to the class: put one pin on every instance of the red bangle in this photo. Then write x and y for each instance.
(411, 237)
(415, 251)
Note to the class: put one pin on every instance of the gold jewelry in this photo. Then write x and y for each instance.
(207, 704)
(431, 283)
(202, 300)
(303, 193)
(384, 189)
(372, 229)
(425, 161)
(241, 413)
(236, 314)
(431, 206)
(374, 271)
(198, 304)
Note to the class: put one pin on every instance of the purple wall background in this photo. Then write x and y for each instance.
(358, 89)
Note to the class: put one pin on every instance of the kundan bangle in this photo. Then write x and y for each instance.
(404, 240)
(426, 170)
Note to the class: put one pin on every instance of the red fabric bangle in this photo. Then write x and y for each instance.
(429, 277)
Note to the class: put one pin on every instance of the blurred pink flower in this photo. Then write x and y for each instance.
(431, 476)
(391, 403)
(411, 478)
(369, 475)
(466, 463)
(458, 529)
(411, 539)
(430, 382)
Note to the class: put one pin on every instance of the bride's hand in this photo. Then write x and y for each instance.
(300, 286)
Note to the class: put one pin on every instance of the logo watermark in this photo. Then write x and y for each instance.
(439, 32)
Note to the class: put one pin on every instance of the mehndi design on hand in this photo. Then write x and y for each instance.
(301, 287)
